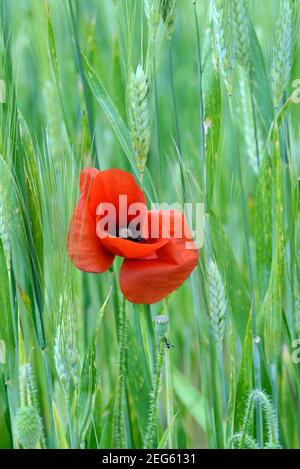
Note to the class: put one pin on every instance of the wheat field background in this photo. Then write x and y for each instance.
(205, 95)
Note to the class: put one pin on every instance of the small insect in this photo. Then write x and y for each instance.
(168, 344)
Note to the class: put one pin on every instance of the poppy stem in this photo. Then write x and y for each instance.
(121, 376)
(169, 400)
(152, 418)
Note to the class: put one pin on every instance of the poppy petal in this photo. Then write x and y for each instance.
(86, 179)
(109, 185)
(150, 280)
(83, 246)
(131, 249)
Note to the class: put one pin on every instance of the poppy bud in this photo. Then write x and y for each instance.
(28, 427)
(161, 324)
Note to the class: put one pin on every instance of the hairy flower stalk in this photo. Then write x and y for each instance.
(161, 323)
(28, 422)
(28, 427)
(243, 439)
(119, 430)
(222, 41)
(139, 116)
(282, 51)
(235, 440)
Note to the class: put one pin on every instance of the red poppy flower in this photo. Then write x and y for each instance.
(156, 262)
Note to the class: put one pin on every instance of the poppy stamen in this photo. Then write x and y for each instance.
(130, 235)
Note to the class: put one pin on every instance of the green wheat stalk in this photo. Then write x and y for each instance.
(282, 51)
(216, 302)
(222, 40)
(241, 33)
(139, 116)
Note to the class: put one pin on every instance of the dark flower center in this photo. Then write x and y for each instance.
(130, 235)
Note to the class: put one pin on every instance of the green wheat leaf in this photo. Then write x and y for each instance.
(212, 122)
(236, 286)
(192, 400)
(6, 324)
(88, 380)
(272, 305)
(263, 225)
